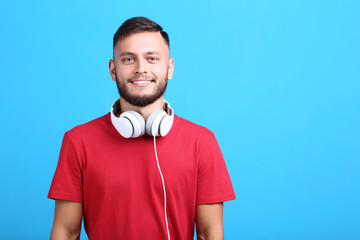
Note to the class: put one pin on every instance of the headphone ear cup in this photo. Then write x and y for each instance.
(153, 123)
(166, 125)
(124, 127)
(131, 124)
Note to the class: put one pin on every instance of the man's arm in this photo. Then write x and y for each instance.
(209, 221)
(67, 220)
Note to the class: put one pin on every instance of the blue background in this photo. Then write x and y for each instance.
(276, 81)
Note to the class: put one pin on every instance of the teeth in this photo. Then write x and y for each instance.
(141, 82)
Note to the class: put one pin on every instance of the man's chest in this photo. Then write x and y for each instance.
(126, 169)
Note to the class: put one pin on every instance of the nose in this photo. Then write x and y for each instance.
(141, 66)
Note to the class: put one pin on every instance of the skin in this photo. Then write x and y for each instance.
(142, 56)
(67, 220)
(209, 221)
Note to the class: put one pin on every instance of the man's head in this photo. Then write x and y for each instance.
(141, 64)
(138, 25)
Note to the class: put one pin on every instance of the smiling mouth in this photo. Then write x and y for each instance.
(142, 82)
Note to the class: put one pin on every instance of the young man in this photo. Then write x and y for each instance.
(140, 172)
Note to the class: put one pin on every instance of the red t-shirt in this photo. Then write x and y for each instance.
(118, 182)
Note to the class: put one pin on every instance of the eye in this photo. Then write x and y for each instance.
(128, 59)
(153, 59)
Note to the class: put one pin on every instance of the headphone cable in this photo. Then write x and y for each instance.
(163, 183)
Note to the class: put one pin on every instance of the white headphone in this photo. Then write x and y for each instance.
(131, 124)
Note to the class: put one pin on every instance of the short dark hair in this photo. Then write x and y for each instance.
(137, 25)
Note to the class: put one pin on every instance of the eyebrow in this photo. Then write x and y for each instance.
(126, 54)
(152, 53)
(122, 54)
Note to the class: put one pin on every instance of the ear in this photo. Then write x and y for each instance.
(112, 69)
(171, 68)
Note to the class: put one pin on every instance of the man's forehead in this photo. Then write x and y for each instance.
(126, 53)
(143, 42)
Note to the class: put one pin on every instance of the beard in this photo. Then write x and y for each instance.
(141, 101)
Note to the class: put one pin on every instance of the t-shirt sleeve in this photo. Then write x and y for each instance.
(67, 181)
(213, 181)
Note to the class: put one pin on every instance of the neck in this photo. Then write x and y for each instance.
(143, 111)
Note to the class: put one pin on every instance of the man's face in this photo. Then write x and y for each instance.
(141, 67)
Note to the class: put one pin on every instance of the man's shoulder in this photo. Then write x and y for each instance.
(92, 127)
(191, 128)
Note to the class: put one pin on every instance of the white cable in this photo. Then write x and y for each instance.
(163, 183)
